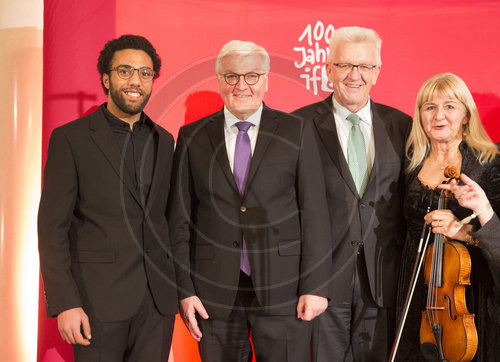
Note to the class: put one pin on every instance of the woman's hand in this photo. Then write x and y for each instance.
(446, 223)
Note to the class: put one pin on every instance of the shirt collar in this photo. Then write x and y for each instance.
(254, 119)
(364, 113)
(117, 122)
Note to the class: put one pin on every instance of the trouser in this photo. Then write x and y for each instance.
(146, 336)
(275, 338)
(355, 330)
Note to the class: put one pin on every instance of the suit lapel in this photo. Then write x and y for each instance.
(103, 137)
(325, 124)
(267, 130)
(380, 138)
(159, 169)
(215, 130)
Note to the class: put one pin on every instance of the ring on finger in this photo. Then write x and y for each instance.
(439, 224)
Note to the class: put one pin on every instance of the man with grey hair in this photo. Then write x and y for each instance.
(362, 147)
(248, 221)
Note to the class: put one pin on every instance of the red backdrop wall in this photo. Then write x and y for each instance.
(418, 41)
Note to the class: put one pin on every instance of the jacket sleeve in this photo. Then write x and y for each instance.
(180, 209)
(60, 188)
(488, 234)
(315, 268)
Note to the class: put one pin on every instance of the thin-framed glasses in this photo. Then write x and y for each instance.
(127, 71)
(362, 68)
(251, 78)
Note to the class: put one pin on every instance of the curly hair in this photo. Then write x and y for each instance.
(121, 43)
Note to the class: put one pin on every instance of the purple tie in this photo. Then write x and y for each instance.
(242, 157)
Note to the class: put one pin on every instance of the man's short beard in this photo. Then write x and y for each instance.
(119, 99)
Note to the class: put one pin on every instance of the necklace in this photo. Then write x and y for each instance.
(445, 163)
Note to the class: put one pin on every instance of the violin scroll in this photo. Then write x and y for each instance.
(451, 172)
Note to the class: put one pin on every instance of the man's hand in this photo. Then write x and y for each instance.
(70, 324)
(188, 308)
(310, 306)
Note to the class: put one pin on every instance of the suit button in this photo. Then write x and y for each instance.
(243, 209)
(146, 250)
(354, 243)
(236, 244)
(362, 205)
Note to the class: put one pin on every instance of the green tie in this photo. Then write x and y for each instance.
(356, 154)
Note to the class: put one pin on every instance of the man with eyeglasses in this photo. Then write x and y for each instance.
(103, 235)
(248, 221)
(362, 146)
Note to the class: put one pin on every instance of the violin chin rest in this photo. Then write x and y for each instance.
(430, 352)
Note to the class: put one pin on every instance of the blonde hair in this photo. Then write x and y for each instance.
(474, 135)
(355, 34)
(242, 48)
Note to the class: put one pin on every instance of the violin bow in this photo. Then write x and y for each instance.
(422, 247)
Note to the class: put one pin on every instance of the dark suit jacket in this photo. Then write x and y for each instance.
(376, 220)
(100, 245)
(282, 215)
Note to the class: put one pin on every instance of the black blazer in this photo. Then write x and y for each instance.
(282, 215)
(376, 219)
(100, 245)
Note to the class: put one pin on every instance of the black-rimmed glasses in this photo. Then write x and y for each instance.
(126, 72)
(251, 78)
(362, 68)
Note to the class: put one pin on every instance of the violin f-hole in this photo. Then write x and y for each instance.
(448, 299)
(447, 271)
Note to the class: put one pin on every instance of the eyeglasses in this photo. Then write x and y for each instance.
(251, 78)
(362, 68)
(127, 71)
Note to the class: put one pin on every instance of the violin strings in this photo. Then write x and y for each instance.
(435, 278)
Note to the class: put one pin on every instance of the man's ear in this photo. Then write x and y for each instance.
(376, 72)
(105, 80)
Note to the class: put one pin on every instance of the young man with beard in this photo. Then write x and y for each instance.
(103, 235)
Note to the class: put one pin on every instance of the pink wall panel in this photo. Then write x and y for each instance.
(418, 41)
(74, 33)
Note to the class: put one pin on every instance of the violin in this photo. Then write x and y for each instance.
(447, 329)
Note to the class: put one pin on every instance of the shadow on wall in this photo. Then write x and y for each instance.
(201, 104)
(80, 97)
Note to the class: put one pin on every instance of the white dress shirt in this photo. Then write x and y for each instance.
(344, 127)
(231, 131)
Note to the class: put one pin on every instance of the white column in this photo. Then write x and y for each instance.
(21, 35)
